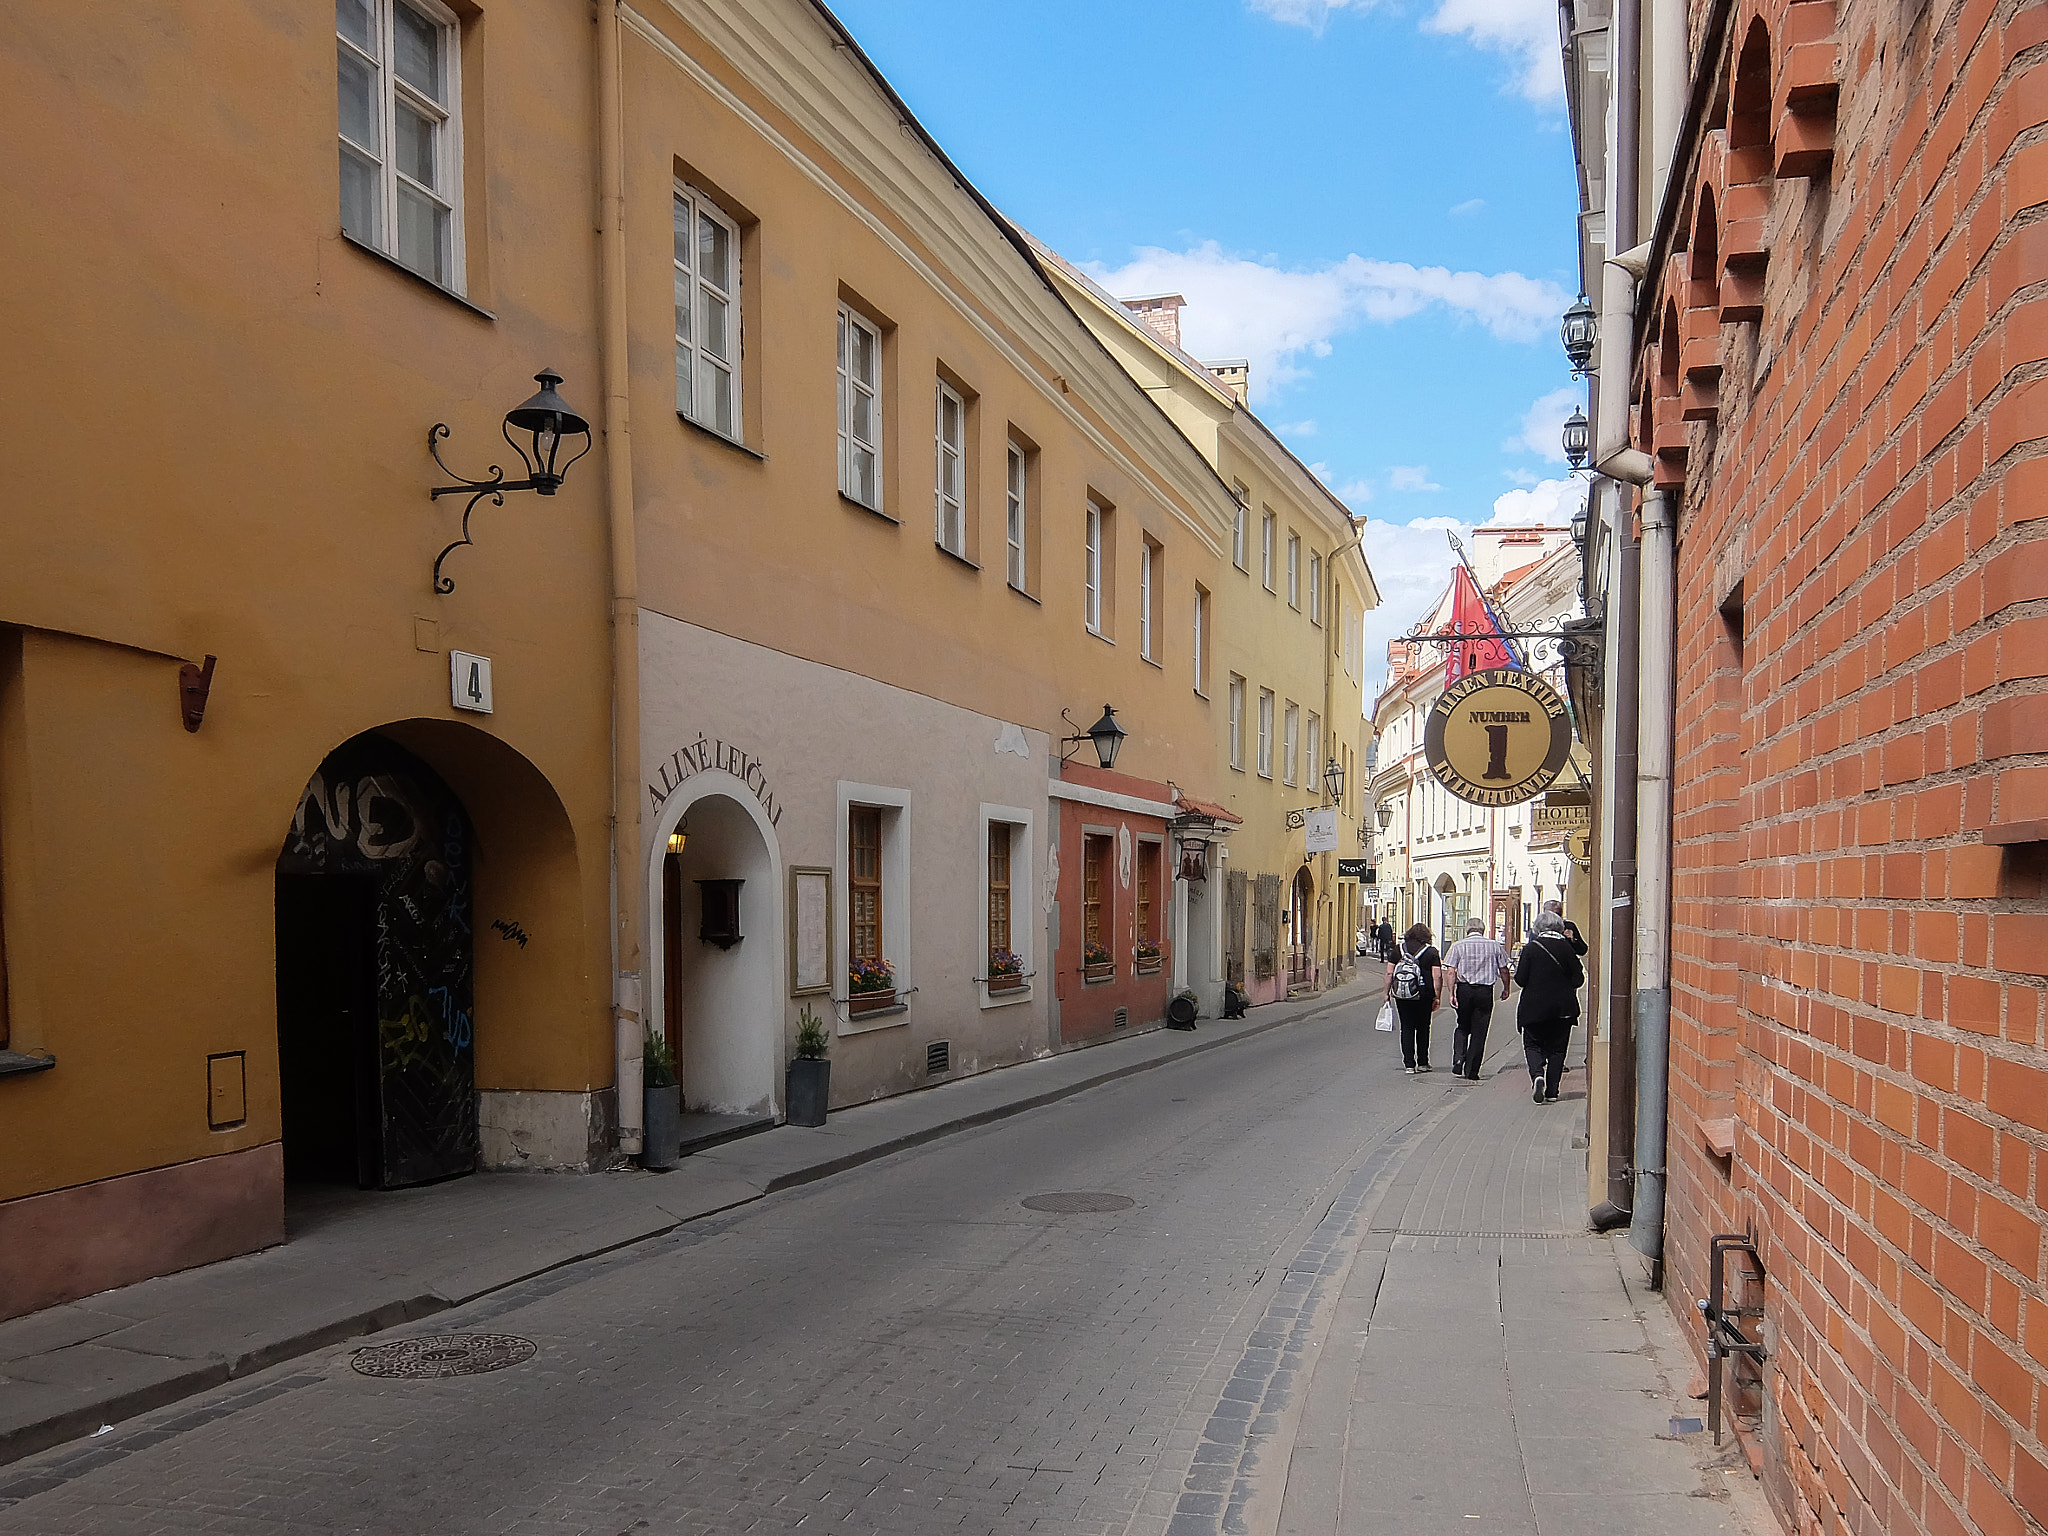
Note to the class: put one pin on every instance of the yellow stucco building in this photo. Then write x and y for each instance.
(315, 866)
(1295, 586)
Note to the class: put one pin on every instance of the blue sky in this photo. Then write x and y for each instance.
(1372, 201)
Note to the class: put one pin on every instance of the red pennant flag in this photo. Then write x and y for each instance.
(1471, 616)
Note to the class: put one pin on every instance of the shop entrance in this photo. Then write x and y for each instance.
(375, 974)
(1301, 930)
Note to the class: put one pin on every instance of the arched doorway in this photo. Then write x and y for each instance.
(376, 974)
(721, 1002)
(1301, 930)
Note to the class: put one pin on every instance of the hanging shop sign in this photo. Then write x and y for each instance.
(1355, 869)
(1497, 737)
(1321, 831)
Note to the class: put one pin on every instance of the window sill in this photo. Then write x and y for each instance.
(892, 1017)
(1202, 695)
(955, 555)
(419, 277)
(1007, 998)
(1152, 661)
(871, 511)
(719, 437)
(1025, 595)
(1098, 634)
(19, 1064)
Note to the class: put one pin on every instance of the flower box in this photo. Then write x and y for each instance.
(1149, 967)
(1106, 971)
(859, 1003)
(1013, 982)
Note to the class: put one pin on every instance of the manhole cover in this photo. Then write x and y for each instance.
(1073, 1202)
(447, 1354)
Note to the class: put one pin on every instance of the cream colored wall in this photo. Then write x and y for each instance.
(230, 409)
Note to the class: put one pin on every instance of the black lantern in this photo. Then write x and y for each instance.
(721, 920)
(544, 421)
(1105, 733)
(1579, 523)
(1578, 438)
(1581, 328)
(1333, 778)
(1384, 815)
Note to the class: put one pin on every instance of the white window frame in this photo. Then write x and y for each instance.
(949, 503)
(383, 237)
(1265, 733)
(1290, 741)
(1017, 487)
(1312, 761)
(1240, 527)
(852, 387)
(1315, 587)
(1237, 722)
(1145, 599)
(703, 294)
(894, 804)
(1294, 571)
(1201, 646)
(1091, 599)
(1266, 530)
(1023, 881)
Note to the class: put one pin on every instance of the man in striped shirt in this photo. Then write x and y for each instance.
(1477, 965)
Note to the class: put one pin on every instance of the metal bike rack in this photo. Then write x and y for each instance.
(1725, 1337)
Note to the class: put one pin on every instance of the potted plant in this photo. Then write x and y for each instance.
(870, 985)
(661, 1124)
(1005, 970)
(1097, 963)
(1148, 955)
(809, 1084)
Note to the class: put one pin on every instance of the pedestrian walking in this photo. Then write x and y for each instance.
(1385, 938)
(1477, 966)
(1414, 977)
(1571, 929)
(1549, 974)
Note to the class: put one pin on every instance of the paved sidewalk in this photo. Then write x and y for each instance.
(1490, 1365)
(356, 1263)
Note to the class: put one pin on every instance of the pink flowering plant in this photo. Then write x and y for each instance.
(1005, 962)
(1096, 954)
(870, 976)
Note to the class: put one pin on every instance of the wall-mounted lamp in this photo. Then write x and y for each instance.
(1580, 329)
(676, 840)
(544, 421)
(1384, 815)
(1333, 778)
(1579, 522)
(1578, 438)
(1106, 734)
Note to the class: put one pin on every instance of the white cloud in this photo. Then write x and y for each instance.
(1543, 427)
(1296, 429)
(1471, 205)
(1524, 30)
(1275, 317)
(1312, 14)
(1548, 501)
(1411, 477)
(1356, 494)
(1523, 477)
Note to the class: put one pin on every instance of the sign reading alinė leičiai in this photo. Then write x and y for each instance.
(1497, 737)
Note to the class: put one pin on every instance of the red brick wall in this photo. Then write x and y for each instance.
(1858, 977)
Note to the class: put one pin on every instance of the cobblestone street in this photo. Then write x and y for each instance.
(907, 1347)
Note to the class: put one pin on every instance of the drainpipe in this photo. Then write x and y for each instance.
(1653, 871)
(628, 883)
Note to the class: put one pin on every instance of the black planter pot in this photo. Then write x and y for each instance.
(662, 1129)
(810, 1087)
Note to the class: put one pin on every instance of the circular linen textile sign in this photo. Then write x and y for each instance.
(1497, 737)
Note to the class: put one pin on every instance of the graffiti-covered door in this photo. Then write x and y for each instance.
(375, 811)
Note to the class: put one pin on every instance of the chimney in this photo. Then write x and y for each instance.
(1160, 314)
(1235, 375)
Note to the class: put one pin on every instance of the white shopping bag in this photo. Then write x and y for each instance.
(1385, 1022)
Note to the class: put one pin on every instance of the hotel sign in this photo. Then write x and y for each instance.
(1497, 737)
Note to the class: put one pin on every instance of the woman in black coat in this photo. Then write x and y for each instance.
(1549, 974)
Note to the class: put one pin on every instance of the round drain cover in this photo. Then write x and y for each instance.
(1073, 1202)
(446, 1354)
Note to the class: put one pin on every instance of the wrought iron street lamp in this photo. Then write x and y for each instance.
(1578, 438)
(1579, 526)
(1333, 779)
(1581, 328)
(1384, 815)
(1105, 734)
(545, 421)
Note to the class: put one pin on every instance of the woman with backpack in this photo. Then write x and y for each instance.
(1414, 975)
(1549, 974)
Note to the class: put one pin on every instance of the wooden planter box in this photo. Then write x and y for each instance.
(1103, 972)
(859, 1003)
(1151, 967)
(1010, 983)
